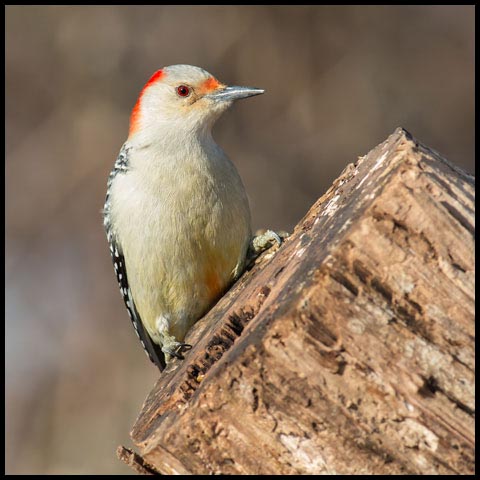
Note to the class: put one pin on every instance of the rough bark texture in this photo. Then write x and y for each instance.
(348, 351)
(135, 461)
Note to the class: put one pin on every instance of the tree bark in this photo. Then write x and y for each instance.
(349, 350)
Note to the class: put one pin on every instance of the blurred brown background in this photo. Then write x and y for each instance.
(338, 81)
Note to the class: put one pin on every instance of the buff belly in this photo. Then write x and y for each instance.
(182, 253)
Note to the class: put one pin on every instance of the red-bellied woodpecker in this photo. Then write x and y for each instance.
(176, 212)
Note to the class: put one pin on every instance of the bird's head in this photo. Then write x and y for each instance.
(182, 99)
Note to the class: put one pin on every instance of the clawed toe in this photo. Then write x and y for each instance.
(182, 347)
(263, 242)
(177, 349)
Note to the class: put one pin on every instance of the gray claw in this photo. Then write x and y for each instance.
(264, 241)
(177, 349)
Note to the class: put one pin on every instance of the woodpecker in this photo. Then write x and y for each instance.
(176, 212)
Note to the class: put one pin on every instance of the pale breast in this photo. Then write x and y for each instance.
(182, 241)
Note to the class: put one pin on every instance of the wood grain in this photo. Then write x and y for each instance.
(350, 350)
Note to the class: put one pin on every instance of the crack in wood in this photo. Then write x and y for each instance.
(459, 217)
(221, 343)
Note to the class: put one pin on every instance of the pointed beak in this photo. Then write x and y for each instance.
(230, 94)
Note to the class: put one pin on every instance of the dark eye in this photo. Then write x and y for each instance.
(183, 91)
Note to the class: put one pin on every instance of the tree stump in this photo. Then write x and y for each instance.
(350, 350)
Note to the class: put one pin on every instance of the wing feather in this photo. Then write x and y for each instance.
(153, 350)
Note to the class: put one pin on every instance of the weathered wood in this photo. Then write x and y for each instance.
(135, 461)
(350, 350)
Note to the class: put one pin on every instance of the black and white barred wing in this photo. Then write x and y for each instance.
(153, 350)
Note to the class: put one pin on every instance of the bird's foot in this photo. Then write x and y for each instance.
(173, 349)
(264, 241)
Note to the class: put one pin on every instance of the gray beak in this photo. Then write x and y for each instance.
(234, 93)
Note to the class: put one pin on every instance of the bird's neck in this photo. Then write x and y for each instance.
(173, 138)
(175, 149)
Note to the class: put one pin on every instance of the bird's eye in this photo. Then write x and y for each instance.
(183, 91)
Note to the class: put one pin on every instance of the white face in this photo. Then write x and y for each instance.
(183, 98)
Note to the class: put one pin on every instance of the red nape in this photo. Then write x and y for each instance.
(134, 117)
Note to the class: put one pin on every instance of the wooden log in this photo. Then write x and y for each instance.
(350, 350)
(135, 461)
